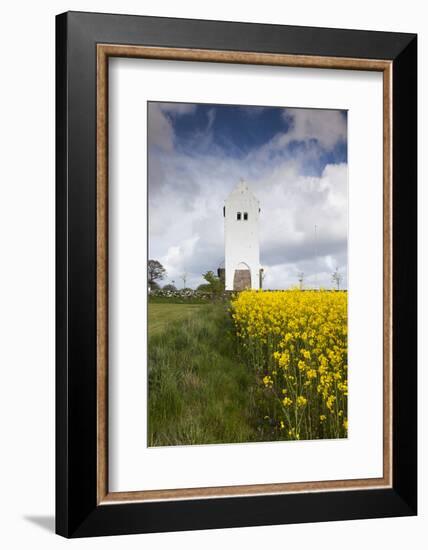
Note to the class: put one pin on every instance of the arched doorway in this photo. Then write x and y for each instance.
(242, 277)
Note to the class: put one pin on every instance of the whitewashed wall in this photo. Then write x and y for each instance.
(242, 236)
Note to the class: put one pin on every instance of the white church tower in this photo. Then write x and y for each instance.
(241, 239)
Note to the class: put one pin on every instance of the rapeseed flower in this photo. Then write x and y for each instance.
(297, 343)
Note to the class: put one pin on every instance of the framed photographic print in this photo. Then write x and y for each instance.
(236, 274)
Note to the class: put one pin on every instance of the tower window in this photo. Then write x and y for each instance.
(224, 211)
(245, 216)
(238, 215)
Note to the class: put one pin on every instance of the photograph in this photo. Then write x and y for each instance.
(247, 274)
(213, 304)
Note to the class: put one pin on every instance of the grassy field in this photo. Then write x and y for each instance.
(199, 390)
(161, 315)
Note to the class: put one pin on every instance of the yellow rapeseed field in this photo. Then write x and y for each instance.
(297, 343)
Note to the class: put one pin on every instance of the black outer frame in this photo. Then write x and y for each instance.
(77, 513)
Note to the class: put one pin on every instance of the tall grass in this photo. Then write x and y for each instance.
(199, 390)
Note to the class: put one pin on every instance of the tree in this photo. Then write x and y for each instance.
(170, 288)
(155, 272)
(336, 278)
(214, 284)
(204, 288)
(154, 286)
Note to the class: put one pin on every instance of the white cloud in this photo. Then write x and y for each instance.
(177, 108)
(326, 126)
(160, 128)
(211, 117)
(186, 229)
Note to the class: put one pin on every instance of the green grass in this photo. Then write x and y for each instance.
(187, 300)
(161, 315)
(199, 390)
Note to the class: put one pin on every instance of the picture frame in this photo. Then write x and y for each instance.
(84, 44)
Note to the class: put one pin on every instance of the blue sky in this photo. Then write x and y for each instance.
(294, 160)
(241, 130)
